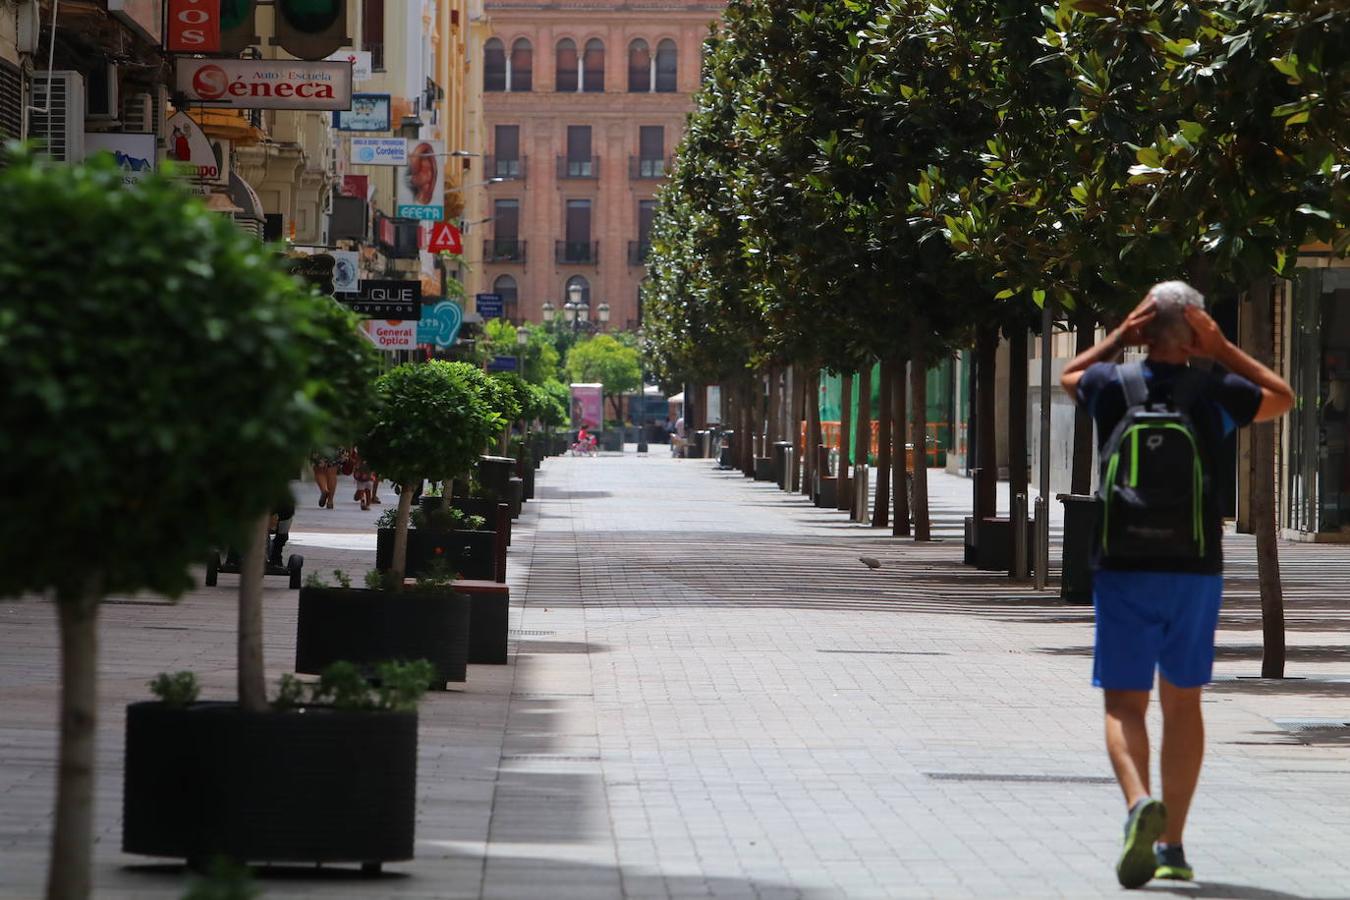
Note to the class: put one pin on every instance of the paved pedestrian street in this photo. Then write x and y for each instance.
(710, 696)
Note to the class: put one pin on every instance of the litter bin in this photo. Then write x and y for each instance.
(1080, 529)
(780, 462)
(725, 451)
(494, 476)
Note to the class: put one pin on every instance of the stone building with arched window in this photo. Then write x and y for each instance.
(583, 106)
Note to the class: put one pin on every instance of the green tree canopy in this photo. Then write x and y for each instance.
(606, 360)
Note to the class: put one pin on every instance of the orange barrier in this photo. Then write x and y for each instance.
(829, 436)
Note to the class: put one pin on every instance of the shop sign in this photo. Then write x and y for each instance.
(369, 112)
(420, 192)
(134, 153)
(188, 146)
(346, 271)
(391, 334)
(503, 364)
(386, 298)
(445, 238)
(194, 26)
(440, 324)
(356, 186)
(379, 151)
(360, 60)
(489, 306)
(266, 83)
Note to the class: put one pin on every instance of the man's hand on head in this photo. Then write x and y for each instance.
(1207, 339)
(1130, 333)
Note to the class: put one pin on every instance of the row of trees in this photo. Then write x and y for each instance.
(892, 181)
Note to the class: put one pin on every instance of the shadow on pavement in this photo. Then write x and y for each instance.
(1218, 889)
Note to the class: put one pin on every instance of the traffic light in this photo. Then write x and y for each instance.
(311, 29)
(237, 28)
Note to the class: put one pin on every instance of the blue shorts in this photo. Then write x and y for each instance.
(1154, 620)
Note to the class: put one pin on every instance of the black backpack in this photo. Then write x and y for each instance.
(1154, 480)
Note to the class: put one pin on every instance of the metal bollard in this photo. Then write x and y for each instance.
(860, 511)
(1019, 537)
(788, 454)
(1042, 542)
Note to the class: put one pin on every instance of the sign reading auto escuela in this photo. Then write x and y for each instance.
(266, 83)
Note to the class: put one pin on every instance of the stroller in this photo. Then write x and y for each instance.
(585, 445)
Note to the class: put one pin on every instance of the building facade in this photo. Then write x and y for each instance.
(583, 106)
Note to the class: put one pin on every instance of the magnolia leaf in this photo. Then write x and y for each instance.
(1308, 210)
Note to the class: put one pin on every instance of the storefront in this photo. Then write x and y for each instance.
(1317, 437)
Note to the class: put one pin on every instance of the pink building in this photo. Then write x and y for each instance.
(583, 105)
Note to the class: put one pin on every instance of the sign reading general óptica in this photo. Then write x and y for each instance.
(386, 299)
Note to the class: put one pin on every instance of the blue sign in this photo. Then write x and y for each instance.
(490, 306)
(439, 325)
(503, 364)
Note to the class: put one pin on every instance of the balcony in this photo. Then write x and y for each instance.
(640, 169)
(503, 250)
(638, 252)
(577, 253)
(586, 167)
(509, 169)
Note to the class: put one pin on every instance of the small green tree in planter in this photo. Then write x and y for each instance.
(431, 420)
(135, 385)
(440, 534)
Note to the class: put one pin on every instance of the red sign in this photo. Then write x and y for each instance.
(194, 26)
(355, 185)
(444, 239)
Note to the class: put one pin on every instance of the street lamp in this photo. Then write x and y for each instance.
(603, 312)
(547, 311)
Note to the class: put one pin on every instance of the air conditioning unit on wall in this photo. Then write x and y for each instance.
(144, 112)
(56, 114)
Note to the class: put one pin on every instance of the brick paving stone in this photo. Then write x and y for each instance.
(710, 696)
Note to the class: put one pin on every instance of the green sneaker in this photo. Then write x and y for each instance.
(1172, 864)
(1145, 824)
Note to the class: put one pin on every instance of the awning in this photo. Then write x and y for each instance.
(244, 197)
(226, 123)
(678, 398)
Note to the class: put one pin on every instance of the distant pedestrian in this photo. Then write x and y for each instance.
(364, 478)
(678, 438)
(1158, 580)
(326, 463)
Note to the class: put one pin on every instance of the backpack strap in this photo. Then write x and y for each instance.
(1132, 380)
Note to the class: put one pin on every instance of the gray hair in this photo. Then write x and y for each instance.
(1169, 326)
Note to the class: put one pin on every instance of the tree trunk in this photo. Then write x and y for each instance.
(774, 426)
(1263, 499)
(899, 398)
(1017, 414)
(845, 436)
(882, 506)
(68, 873)
(252, 685)
(400, 561)
(862, 441)
(795, 424)
(1085, 325)
(810, 457)
(986, 450)
(919, 417)
(748, 420)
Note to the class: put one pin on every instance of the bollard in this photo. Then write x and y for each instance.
(788, 458)
(1042, 543)
(859, 513)
(1019, 537)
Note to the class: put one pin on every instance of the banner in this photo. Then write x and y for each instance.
(379, 151)
(266, 83)
(421, 195)
(587, 406)
(346, 271)
(391, 335)
(439, 325)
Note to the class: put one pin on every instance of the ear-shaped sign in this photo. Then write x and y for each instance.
(440, 324)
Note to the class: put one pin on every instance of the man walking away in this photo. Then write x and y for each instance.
(1158, 580)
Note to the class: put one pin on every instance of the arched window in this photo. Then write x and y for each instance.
(639, 67)
(585, 286)
(494, 66)
(522, 66)
(568, 67)
(593, 67)
(665, 67)
(505, 287)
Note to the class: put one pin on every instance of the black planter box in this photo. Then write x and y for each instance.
(516, 496)
(489, 616)
(314, 784)
(993, 545)
(764, 468)
(485, 507)
(825, 492)
(369, 627)
(495, 474)
(527, 476)
(469, 553)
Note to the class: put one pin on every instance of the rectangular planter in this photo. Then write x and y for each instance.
(489, 615)
(469, 553)
(368, 627)
(487, 508)
(764, 468)
(311, 785)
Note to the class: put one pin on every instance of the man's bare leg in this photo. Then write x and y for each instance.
(1127, 742)
(1183, 750)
